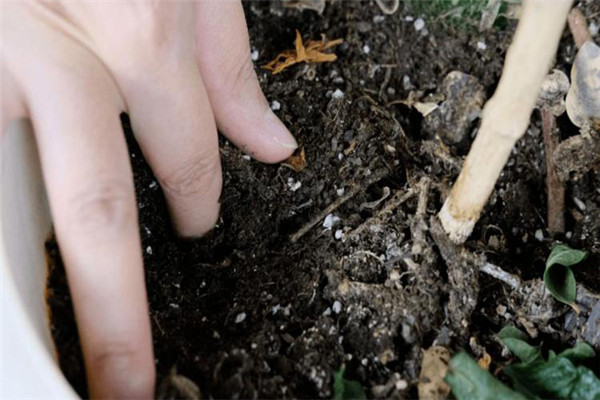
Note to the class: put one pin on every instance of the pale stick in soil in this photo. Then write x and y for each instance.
(506, 115)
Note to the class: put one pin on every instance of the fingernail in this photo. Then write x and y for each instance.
(279, 133)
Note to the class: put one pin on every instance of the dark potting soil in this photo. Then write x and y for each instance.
(248, 313)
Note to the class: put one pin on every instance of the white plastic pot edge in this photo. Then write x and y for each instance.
(28, 368)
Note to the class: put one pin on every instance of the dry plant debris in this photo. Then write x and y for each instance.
(296, 161)
(433, 370)
(312, 51)
(315, 5)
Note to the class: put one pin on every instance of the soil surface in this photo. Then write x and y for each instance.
(248, 312)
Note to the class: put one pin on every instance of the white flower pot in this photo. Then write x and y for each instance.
(28, 368)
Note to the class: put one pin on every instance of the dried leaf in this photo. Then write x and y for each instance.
(485, 361)
(296, 161)
(433, 369)
(311, 51)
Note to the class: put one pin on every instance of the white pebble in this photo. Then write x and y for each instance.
(401, 384)
(293, 185)
(254, 55)
(338, 94)
(275, 105)
(406, 82)
(366, 49)
(336, 307)
(253, 346)
(409, 18)
(330, 221)
(419, 24)
(327, 312)
(593, 28)
(539, 235)
(275, 309)
(378, 19)
(153, 185)
(481, 45)
(569, 235)
(246, 157)
(149, 250)
(338, 234)
(340, 192)
(364, 361)
(340, 156)
(580, 204)
(241, 317)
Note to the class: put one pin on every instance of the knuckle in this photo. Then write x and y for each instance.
(100, 206)
(193, 176)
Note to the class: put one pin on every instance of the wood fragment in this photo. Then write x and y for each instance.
(555, 188)
(354, 190)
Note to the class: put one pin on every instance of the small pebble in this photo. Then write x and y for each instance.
(254, 55)
(293, 185)
(580, 204)
(246, 157)
(539, 235)
(327, 312)
(364, 361)
(241, 317)
(593, 28)
(366, 49)
(481, 45)
(401, 384)
(378, 19)
(409, 18)
(338, 234)
(338, 94)
(253, 346)
(275, 309)
(330, 221)
(336, 307)
(406, 82)
(419, 24)
(275, 105)
(153, 185)
(149, 250)
(340, 192)
(569, 235)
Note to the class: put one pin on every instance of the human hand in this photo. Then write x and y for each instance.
(180, 69)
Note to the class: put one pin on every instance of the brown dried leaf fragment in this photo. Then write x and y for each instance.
(312, 51)
(296, 161)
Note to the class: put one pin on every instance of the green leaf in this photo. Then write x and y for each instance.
(581, 352)
(469, 381)
(511, 332)
(558, 277)
(514, 339)
(556, 378)
(564, 255)
(344, 389)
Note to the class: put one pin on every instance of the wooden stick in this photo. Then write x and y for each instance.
(506, 115)
(555, 188)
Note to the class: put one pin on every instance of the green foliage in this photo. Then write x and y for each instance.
(558, 377)
(344, 389)
(558, 276)
(469, 381)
